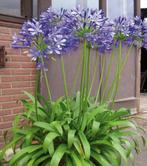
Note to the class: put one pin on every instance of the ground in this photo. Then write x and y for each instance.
(141, 160)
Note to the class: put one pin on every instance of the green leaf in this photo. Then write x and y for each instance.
(71, 137)
(31, 162)
(85, 144)
(95, 127)
(122, 123)
(49, 139)
(78, 146)
(24, 160)
(44, 125)
(100, 159)
(57, 126)
(40, 160)
(61, 150)
(84, 121)
(76, 160)
(120, 149)
(32, 98)
(18, 155)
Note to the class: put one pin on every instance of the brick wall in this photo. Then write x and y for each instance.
(17, 76)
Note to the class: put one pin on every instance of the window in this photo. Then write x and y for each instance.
(143, 4)
(18, 10)
(35, 8)
(10, 7)
(57, 4)
(117, 8)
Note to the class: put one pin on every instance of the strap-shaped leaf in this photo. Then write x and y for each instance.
(122, 123)
(100, 159)
(78, 146)
(71, 137)
(84, 121)
(57, 126)
(121, 150)
(76, 160)
(49, 139)
(95, 127)
(40, 160)
(85, 144)
(45, 126)
(24, 160)
(61, 150)
(32, 98)
(19, 154)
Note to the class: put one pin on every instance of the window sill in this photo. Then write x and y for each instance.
(11, 21)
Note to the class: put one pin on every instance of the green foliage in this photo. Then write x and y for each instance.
(58, 136)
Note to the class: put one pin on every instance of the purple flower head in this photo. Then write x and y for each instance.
(128, 31)
(82, 21)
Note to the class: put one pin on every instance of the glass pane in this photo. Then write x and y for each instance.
(35, 8)
(57, 4)
(117, 8)
(143, 3)
(10, 7)
(93, 4)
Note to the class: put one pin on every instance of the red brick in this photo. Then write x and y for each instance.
(4, 30)
(5, 85)
(5, 125)
(12, 51)
(19, 58)
(5, 43)
(6, 37)
(9, 118)
(21, 84)
(9, 98)
(10, 105)
(5, 112)
(13, 65)
(16, 91)
(17, 78)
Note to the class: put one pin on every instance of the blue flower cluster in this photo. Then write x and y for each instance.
(62, 31)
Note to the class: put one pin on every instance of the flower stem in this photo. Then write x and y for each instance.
(94, 73)
(108, 75)
(37, 89)
(118, 74)
(87, 76)
(46, 80)
(101, 78)
(82, 85)
(122, 64)
(76, 76)
(64, 77)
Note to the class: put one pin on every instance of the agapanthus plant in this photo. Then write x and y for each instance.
(86, 123)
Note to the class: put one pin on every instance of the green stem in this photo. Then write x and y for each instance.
(94, 73)
(76, 76)
(108, 75)
(37, 89)
(101, 78)
(46, 80)
(87, 76)
(122, 64)
(117, 77)
(64, 77)
(82, 85)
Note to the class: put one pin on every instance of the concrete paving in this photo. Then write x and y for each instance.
(141, 159)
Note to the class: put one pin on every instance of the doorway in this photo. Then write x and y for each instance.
(143, 87)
